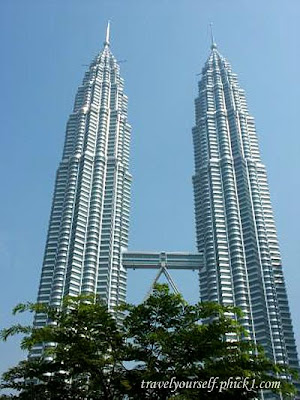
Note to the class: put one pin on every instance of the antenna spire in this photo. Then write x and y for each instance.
(106, 43)
(213, 43)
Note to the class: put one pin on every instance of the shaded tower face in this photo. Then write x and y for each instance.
(89, 219)
(234, 219)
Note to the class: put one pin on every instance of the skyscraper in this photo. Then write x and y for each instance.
(239, 258)
(89, 218)
(234, 219)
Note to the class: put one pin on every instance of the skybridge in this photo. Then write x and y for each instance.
(162, 262)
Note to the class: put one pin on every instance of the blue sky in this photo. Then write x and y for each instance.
(44, 52)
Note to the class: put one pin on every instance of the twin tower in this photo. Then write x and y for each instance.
(238, 254)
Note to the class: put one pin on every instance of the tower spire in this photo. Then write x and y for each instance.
(213, 43)
(106, 43)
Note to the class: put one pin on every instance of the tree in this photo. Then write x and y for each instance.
(167, 339)
(161, 340)
(85, 363)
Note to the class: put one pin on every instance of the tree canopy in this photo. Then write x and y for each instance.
(161, 350)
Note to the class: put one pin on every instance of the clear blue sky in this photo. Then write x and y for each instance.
(45, 46)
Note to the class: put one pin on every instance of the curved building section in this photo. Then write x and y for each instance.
(234, 218)
(89, 218)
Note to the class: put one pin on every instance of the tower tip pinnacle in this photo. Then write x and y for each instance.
(106, 43)
(213, 43)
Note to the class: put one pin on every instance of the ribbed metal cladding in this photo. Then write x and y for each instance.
(234, 218)
(89, 218)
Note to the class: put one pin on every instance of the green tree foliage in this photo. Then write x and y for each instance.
(85, 361)
(160, 340)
